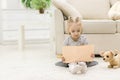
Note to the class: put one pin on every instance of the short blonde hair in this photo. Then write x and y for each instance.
(71, 22)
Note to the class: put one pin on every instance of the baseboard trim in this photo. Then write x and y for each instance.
(15, 42)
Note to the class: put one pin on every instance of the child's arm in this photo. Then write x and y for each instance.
(63, 59)
(66, 43)
(92, 55)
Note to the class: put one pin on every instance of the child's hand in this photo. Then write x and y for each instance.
(92, 55)
(63, 59)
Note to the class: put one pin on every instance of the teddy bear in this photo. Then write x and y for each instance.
(113, 57)
(114, 12)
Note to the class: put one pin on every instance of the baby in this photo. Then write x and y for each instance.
(75, 39)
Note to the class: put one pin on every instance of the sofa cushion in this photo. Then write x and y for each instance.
(118, 26)
(66, 8)
(97, 26)
(103, 42)
(92, 9)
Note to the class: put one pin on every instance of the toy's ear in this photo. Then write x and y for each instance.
(115, 52)
(112, 53)
(101, 53)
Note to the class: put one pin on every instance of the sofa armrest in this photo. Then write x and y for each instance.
(59, 30)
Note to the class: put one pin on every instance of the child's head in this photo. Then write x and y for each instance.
(74, 27)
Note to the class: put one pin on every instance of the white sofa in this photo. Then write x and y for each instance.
(101, 31)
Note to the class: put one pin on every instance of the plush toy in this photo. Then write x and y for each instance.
(83, 67)
(114, 12)
(113, 57)
(80, 68)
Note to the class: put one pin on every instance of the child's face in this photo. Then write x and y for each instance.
(74, 28)
(75, 31)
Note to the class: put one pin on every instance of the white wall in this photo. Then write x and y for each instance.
(0, 22)
(3, 4)
(36, 25)
(12, 4)
(14, 14)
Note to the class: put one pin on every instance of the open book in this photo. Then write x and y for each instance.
(78, 53)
